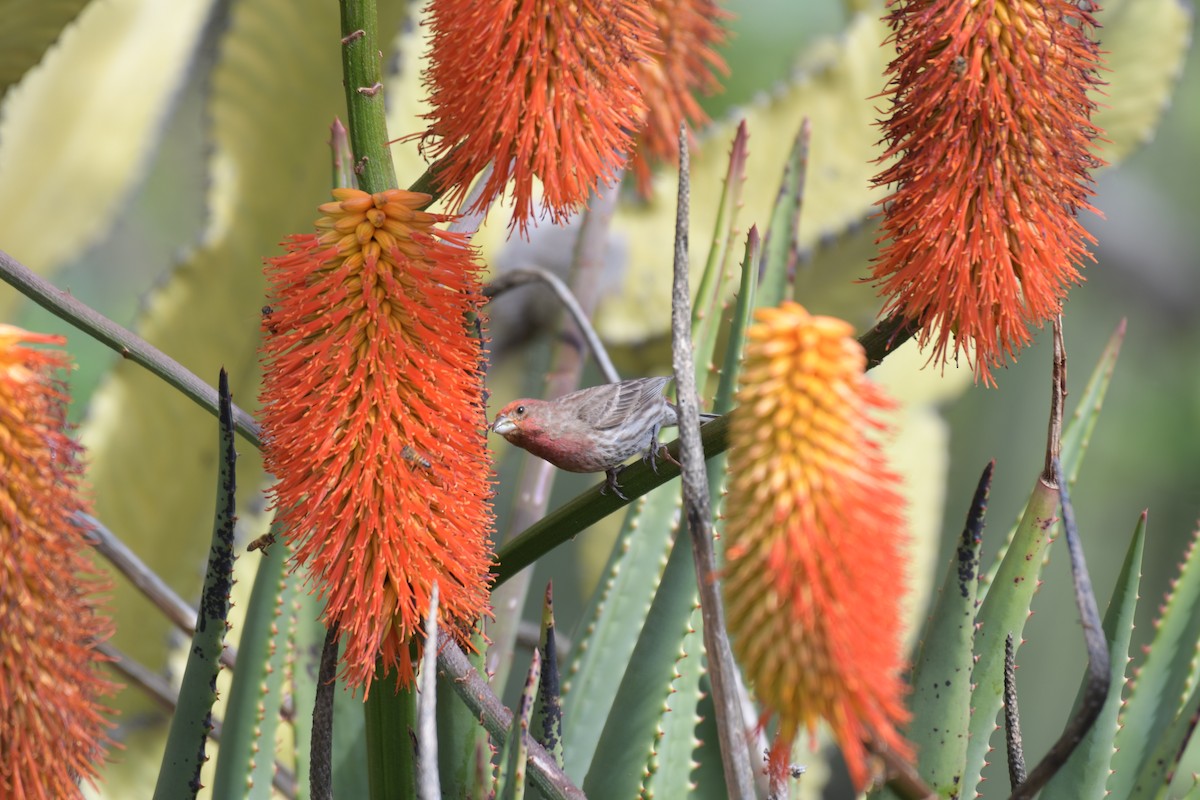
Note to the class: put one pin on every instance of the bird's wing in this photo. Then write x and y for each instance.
(610, 409)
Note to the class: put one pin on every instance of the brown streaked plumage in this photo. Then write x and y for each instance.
(592, 430)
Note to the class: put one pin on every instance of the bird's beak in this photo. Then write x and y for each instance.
(502, 425)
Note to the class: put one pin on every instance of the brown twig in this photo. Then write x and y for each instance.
(739, 777)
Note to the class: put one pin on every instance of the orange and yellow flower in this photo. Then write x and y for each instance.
(53, 729)
(373, 423)
(691, 31)
(989, 153)
(539, 89)
(814, 535)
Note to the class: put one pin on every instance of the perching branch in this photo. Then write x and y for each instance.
(739, 777)
(521, 277)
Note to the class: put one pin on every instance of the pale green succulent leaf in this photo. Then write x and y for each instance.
(1086, 772)
(252, 712)
(66, 166)
(1163, 692)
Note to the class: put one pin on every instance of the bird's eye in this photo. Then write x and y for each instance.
(520, 410)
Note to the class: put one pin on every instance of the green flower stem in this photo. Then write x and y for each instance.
(124, 342)
(363, 78)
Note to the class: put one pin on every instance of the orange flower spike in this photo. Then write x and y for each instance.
(989, 153)
(691, 31)
(815, 531)
(373, 423)
(52, 726)
(539, 89)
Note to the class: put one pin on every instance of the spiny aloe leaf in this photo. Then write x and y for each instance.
(1140, 78)
(1077, 433)
(712, 294)
(246, 764)
(1161, 689)
(61, 156)
(941, 677)
(1087, 771)
(547, 711)
(513, 757)
(1002, 613)
(628, 739)
(780, 250)
(30, 26)
(270, 171)
(669, 770)
(179, 775)
(606, 638)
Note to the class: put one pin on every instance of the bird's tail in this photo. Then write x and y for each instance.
(706, 417)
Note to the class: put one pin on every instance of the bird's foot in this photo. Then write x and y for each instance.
(611, 483)
(656, 449)
(665, 453)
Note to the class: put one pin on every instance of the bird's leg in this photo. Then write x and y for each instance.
(659, 449)
(652, 450)
(611, 482)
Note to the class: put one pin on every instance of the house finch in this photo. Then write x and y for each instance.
(593, 430)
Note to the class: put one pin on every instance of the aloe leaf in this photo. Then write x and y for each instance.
(1004, 612)
(246, 762)
(833, 89)
(30, 27)
(941, 678)
(179, 775)
(608, 629)
(547, 711)
(1077, 434)
(630, 732)
(1087, 771)
(60, 152)
(514, 756)
(1162, 688)
(706, 313)
(1140, 78)
(669, 771)
(780, 250)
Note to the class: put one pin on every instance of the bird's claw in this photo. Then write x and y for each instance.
(611, 483)
(665, 453)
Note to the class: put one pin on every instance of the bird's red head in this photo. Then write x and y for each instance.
(516, 420)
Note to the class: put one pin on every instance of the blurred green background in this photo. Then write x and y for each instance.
(1146, 450)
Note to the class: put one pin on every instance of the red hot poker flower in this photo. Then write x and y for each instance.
(691, 31)
(989, 151)
(373, 423)
(52, 725)
(538, 88)
(815, 534)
